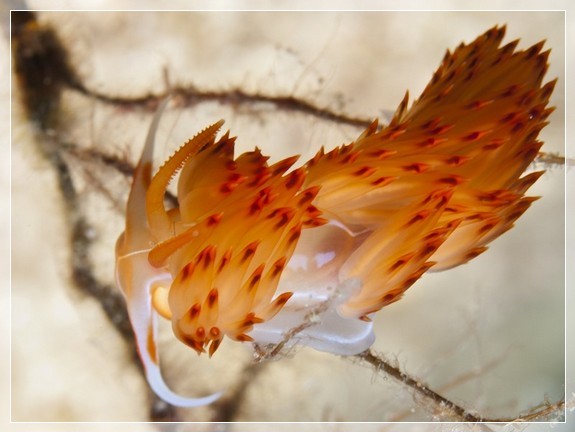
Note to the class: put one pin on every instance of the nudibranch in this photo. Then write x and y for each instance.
(254, 250)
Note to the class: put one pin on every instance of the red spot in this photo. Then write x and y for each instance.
(533, 50)
(388, 298)
(265, 196)
(431, 124)
(332, 154)
(472, 136)
(251, 319)
(432, 142)
(231, 165)
(400, 262)
(261, 174)
(434, 235)
(497, 59)
(527, 98)
(187, 271)
(212, 297)
(517, 127)
(317, 156)
(294, 234)
(224, 145)
(278, 267)
(214, 219)
(515, 215)
(256, 157)
(308, 195)
(282, 299)
(294, 178)
(382, 153)
(472, 63)
(192, 343)
(207, 256)
(364, 171)
(475, 135)
(256, 276)
(509, 48)
(312, 211)
(444, 199)
(346, 148)
(316, 222)
(226, 188)
(215, 332)
(531, 136)
(493, 144)
(285, 215)
(453, 180)
(474, 252)
(232, 182)
(470, 75)
(250, 250)
(419, 216)
(510, 91)
(382, 181)
(350, 158)
(214, 346)
(508, 117)
(456, 160)
(528, 154)
(548, 89)
(485, 228)
(428, 250)
(248, 320)
(283, 165)
(244, 338)
(200, 333)
(225, 259)
(416, 167)
(475, 217)
(236, 178)
(441, 129)
(255, 207)
(410, 281)
(194, 311)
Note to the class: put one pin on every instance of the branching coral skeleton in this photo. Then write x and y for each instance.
(252, 249)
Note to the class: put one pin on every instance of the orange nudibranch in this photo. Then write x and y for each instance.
(254, 249)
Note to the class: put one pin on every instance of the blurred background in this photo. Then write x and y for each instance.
(489, 335)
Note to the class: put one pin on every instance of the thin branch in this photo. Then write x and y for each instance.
(444, 405)
(191, 96)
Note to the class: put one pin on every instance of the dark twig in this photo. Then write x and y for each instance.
(444, 405)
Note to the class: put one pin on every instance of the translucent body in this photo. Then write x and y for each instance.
(313, 275)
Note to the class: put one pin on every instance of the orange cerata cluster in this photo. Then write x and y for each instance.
(253, 248)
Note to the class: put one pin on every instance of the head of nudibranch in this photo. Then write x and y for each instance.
(257, 251)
